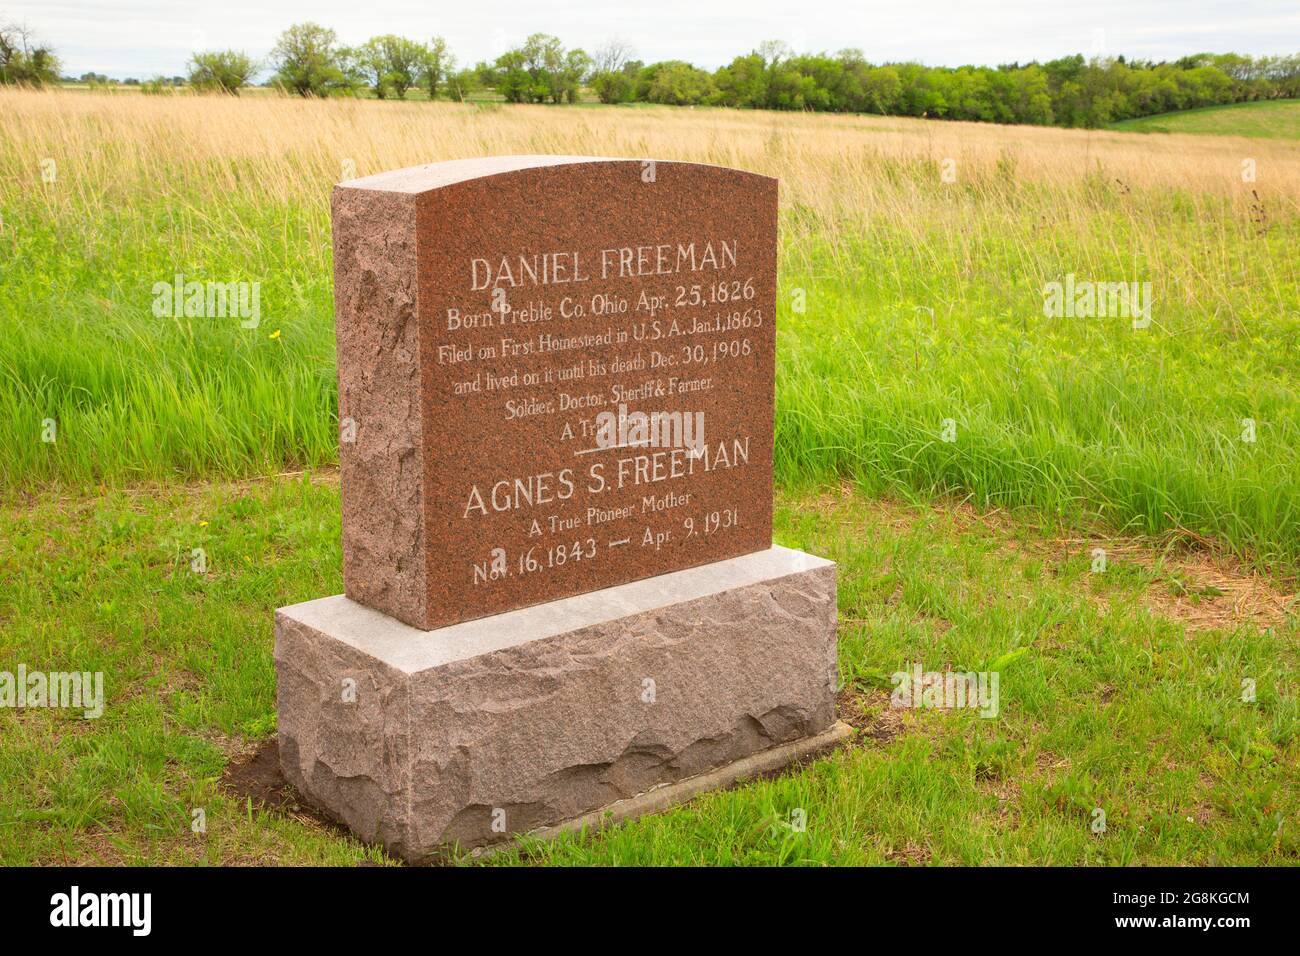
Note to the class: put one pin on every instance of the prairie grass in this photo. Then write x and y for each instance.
(924, 297)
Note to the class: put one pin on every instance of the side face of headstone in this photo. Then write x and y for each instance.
(555, 375)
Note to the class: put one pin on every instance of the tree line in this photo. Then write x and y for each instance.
(1070, 91)
(24, 59)
(309, 60)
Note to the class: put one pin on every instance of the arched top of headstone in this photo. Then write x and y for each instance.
(420, 179)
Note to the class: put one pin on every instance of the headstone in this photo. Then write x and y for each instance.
(557, 374)
(562, 599)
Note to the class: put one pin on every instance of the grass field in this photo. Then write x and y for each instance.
(925, 298)
(1120, 691)
(1278, 119)
(413, 95)
(924, 315)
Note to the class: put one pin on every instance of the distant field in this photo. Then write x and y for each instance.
(1279, 119)
(1272, 120)
(414, 95)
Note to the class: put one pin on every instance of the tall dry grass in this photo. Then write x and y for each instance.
(206, 154)
(825, 161)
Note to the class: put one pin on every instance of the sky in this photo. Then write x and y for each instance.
(146, 38)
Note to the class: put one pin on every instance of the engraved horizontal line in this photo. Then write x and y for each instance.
(636, 444)
(592, 451)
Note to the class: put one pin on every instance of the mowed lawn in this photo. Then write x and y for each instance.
(1121, 692)
(1271, 119)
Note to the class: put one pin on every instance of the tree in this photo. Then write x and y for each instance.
(512, 79)
(774, 52)
(544, 56)
(1031, 99)
(679, 84)
(487, 74)
(613, 87)
(610, 79)
(540, 70)
(392, 64)
(462, 83)
(761, 79)
(611, 56)
(224, 70)
(881, 89)
(567, 82)
(855, 72)
(25, 60)
(353, 65)
(744, 82)
(306, 59)
(613, 72)
(802, 83)
(436, 65)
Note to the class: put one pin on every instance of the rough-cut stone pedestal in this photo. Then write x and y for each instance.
(476, 732)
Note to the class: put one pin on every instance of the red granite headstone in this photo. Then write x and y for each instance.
(556, 375)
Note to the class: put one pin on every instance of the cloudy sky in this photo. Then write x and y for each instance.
(143, 38)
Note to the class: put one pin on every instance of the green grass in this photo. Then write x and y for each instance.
(923, 306)
(1272, 119)
(1102, 704)
(1080, 418)
(908, 324)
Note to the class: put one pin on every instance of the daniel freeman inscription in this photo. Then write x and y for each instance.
(557, 375)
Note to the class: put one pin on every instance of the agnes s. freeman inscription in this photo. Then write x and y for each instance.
(559, 373)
